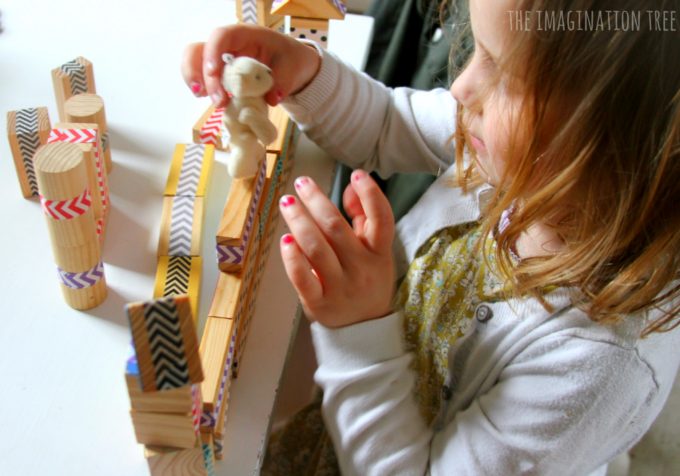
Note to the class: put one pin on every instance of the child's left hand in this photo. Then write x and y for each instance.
(343, 274)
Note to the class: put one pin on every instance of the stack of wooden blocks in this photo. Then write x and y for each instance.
(83, 122)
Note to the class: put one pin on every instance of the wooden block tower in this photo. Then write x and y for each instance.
(89, 108)
(309, 19)
(258, 12)
(66, 200)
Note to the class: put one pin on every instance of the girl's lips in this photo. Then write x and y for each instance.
(477, 143)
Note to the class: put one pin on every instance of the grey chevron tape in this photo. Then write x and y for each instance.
(190, 173)
(249, 11)
(29, 141)
(181, 226)
(77, 76)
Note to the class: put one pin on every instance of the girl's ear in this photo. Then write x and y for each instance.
(227, 58)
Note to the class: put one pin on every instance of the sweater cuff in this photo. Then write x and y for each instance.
(321, 88)
(359, 345)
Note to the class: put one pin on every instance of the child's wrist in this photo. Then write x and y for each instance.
(312, 55)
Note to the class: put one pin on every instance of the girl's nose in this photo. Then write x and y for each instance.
(463, 88)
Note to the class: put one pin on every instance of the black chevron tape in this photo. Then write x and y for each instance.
(165, 343)
(177, 276)
(76, 75)
(181, 226)
(29, 141)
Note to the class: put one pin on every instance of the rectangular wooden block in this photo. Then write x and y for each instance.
(176, 400)
(235, 229)
(190, 170)
(210, 130)
(71, 78)
(214, 349)
(27, 129)
(165, 429)
(181, 226)
(174, 462)
(164, 336)
(177, 275)
(279, 117)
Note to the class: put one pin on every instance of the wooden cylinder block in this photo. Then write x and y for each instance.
(61, 173)
(89, 107)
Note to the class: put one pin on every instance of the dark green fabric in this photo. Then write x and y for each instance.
(404, 53)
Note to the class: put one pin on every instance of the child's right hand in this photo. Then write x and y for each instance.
(293, 63)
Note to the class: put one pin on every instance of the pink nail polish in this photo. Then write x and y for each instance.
(279, 95)
(195, 87)
(301, 182)
(287, 239)
(287, 200)
(358, 175)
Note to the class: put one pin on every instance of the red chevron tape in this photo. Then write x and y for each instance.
(67, 209)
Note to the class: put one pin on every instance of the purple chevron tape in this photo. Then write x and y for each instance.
(82, 280)
(209, 419)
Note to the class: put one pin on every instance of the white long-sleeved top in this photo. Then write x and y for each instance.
(530, 392)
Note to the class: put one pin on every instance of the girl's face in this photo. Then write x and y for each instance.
(490, 104)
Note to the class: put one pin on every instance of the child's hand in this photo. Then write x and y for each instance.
(293, 63)
(343, 274)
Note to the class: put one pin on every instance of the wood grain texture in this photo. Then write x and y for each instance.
(25, 136)
(214, 349)
(165, 429)
(190, 170)
(174, 462)
(176, 400)
(89, 108)
(279, 117)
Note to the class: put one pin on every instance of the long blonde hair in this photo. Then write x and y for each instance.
(607, 178)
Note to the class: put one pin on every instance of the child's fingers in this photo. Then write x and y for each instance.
(379, 226)
(329, 220)
(311, 240)
(192, 68)
(299, 270)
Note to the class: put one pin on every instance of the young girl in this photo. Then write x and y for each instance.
(530, 271)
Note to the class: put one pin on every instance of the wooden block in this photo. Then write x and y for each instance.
(208, 446)
(27, 129)
(256, 12)
(324, 9)
(235, 228)
(279, 117)
(166, 346)
(165, 429)
(87, 133)
(214, 349)
(190, 170)
(89, 108)
(179, 275)
(310, 29)
(173, 462)
(181, 226)
(69, 79)
(176, 400)
(62, 179)
(225, 300)
(209, 129)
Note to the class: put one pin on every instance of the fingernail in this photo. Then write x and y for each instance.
(210, 66)
(195, 87)
(301, 182)
(279, 95)
(216, 98)
(287, 239)
(287, 200)
(358, 175)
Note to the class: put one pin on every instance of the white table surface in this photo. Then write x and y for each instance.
(63, 401)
